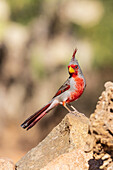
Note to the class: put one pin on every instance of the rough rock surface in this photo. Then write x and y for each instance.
(100, 138)
(6, 164)
(77, 159)
(64, 145)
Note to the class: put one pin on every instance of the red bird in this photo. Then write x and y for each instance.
(71, 90)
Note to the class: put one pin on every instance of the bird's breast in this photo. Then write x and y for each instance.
(76, 89)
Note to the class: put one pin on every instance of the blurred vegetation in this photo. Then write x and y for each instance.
(102, 38)
(100, 35)
(24, 11)
(37, 39)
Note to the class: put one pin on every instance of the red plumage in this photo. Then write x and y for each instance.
(71, 90)
(33, 119)
(73, 56)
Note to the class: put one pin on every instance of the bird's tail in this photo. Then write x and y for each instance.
(33, 119)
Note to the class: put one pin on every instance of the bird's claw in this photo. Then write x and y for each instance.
(76, 113)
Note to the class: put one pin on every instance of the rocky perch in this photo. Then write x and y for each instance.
(77, 142)
(100, 133)
(62, 148)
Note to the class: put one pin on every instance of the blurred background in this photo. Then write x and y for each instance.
(37, 39)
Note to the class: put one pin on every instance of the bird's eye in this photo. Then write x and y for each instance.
(76, 66)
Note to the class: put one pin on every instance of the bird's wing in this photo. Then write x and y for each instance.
(63, 88)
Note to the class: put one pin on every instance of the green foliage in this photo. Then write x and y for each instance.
(101, 35)
(24, 11)
(37, 65)
(102, 38)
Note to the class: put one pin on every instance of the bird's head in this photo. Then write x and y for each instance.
(73, 67)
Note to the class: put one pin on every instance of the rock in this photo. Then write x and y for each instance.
(65, 142)
(100, 139)
(77, 159)
(6, 164)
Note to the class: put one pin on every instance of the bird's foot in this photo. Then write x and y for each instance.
(77, 113)
(82, 114)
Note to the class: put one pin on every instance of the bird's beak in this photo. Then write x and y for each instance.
(71, 70)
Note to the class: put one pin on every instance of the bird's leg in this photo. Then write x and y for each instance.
(64, 104)
(75, 110)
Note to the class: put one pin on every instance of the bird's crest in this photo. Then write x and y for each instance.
(73, 56)
(74, 60)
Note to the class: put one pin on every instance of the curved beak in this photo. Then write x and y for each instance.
(71, 70)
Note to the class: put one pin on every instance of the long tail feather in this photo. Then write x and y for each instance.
(33, 119)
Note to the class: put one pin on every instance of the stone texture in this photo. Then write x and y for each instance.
(62, 142)
(6, 164)
(77, 159)
(100, 139)
(64, 147)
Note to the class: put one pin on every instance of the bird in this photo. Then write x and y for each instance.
(70, 91)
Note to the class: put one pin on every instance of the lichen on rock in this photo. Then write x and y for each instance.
(100, 138)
